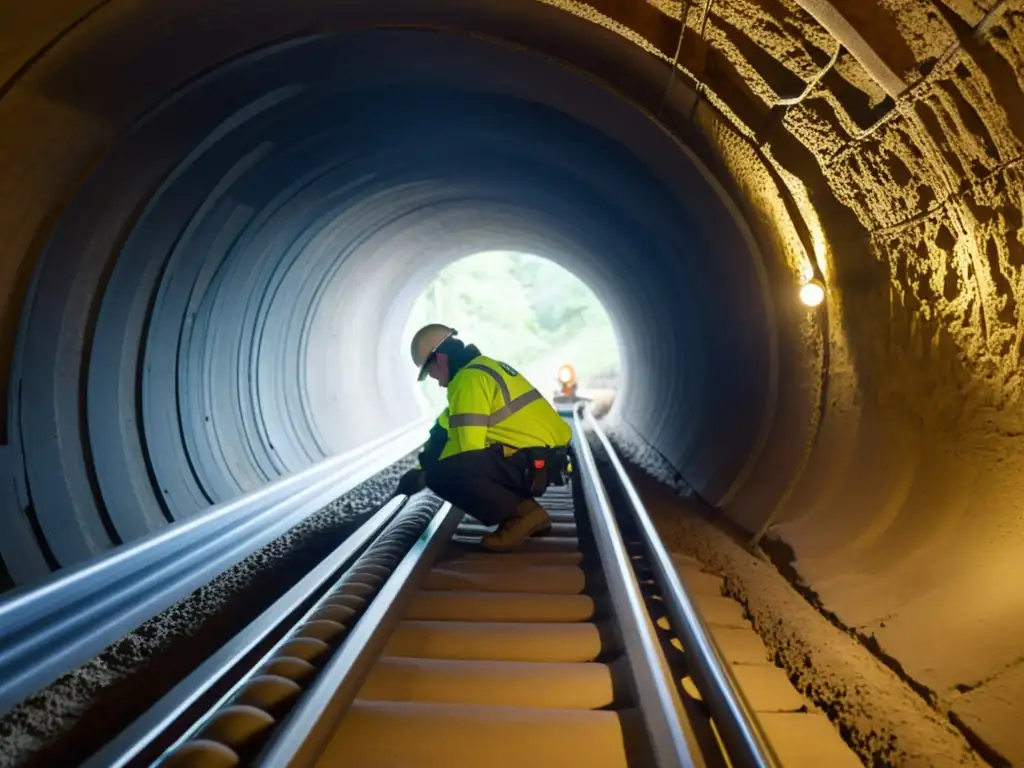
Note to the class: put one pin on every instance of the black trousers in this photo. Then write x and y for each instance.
(483, 484)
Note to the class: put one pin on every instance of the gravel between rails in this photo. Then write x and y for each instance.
(878, 715)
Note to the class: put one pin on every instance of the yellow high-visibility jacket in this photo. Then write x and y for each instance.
(490, 402)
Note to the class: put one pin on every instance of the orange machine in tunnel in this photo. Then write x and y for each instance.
(567, 381)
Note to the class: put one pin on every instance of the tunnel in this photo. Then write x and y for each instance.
(217, 217)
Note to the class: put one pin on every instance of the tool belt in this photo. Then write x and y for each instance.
(545, 467)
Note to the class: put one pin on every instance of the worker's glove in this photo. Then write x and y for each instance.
(413, 481)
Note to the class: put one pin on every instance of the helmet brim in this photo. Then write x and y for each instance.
(426, 363)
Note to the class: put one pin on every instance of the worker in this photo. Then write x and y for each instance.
(497, 445)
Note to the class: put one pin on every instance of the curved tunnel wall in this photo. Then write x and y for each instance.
(240, 315)
(878, 438)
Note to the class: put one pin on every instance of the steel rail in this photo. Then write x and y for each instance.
(657, 696)
(308, 728)
(152, 732)
(300, 738)
(49, 629)
(744, 741)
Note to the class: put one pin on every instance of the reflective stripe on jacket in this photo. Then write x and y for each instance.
(490, 402)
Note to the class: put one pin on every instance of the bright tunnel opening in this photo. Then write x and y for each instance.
(526, 310)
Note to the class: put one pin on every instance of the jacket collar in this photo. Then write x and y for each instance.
(462, 358)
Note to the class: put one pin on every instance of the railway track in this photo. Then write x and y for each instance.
(412, 646)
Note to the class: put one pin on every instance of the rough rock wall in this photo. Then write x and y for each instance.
(904, 515)
(932, 178)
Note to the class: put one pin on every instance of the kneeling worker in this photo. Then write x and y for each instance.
(496, 446)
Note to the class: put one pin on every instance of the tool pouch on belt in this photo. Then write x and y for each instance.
(544, 467)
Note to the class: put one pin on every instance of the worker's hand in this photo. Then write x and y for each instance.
(413, 481)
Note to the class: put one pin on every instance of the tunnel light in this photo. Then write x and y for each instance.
(566, 374)
(812, 293)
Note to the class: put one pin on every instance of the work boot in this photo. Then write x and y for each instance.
(529, 518)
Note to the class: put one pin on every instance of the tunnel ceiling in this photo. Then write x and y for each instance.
(182, 193)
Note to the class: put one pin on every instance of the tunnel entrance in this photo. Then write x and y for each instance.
(529, 311)
(245, 291)
(256, 242)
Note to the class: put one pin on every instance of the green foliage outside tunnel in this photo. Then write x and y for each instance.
(525, 310)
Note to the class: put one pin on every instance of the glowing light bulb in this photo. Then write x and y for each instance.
(566, 374)
(812, 293)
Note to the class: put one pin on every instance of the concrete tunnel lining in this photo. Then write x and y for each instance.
(217, 413)
(907, 204)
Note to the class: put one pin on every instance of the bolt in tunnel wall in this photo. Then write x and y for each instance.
(210, 219)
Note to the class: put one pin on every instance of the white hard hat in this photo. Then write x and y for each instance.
(425, 344)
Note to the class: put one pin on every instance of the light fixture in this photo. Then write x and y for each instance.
(812, 293)
(567, 378)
